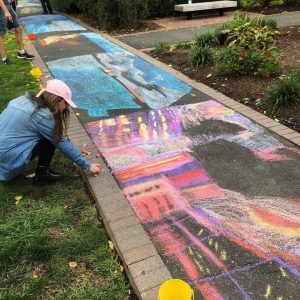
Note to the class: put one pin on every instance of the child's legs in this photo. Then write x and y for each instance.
(17, 25)
(19, 37)
(45, 151)
(2, 48)
(44, 6)
(2, 33)
(49, 8)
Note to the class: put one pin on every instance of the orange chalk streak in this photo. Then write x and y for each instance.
(276, 222)
(209, 292)
(153, 167)
(202, 192)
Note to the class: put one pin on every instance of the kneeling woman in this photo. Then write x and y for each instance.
(34, 127)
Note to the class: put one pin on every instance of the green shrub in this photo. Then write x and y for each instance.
(249, 3)
(68, 6)
(241, 19)
(201, 56)
(249, 61)
(184, 45)
(121, 14)
(161, 8)
(286, 94)
(238, 20)
(291, 2)
(160, 47)
(208, 39)
(247, 36)
(264, 22)
(264, 3)
(108, 13)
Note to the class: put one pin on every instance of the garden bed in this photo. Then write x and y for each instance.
(273, 9)
(245, 88)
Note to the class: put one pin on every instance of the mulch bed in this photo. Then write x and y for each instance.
(273, 9)
(243, 88)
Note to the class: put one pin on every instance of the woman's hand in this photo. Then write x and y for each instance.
(95, 169)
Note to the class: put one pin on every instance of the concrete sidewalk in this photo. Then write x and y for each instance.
(194, 185)
(150, 39)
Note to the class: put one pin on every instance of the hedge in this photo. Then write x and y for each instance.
(119, 13)
(108, 13)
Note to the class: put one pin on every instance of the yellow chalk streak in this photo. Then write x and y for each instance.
(210, 241)
(200, 232)
(283, 272)
(216, 246)
(223, 255)
(268, 292)
(191, 251)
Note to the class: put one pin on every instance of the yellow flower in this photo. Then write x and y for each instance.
(111, 245)
(36, 72)
(72, 264)
(18, 199)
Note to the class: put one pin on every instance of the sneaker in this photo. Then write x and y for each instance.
(46, 175)
(6, 61)
(25, 56)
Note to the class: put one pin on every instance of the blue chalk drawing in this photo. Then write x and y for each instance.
(103, 43)
(25, 3)
(154, 86)
(93, 90)
(49, 23)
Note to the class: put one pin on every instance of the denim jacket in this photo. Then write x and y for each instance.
(20, 131)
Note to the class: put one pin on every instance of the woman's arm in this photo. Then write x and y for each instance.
(46, 128)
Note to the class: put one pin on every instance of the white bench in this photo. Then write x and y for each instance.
(190, 8)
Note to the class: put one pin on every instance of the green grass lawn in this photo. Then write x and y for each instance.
(52, 245)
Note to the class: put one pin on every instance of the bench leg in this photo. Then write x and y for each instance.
(189, 16)
(221, 12)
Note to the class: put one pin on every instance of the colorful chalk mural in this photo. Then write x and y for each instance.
(29, 7)
(149, 86)
(208, 184)
(49, 23)
(93, 89)
(222, 241)
(52, 40)
(28, 3)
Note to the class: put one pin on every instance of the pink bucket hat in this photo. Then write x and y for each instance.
(59, 88)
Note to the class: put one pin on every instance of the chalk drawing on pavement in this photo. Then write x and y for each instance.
(222, 241)
(93, 90)
(54, 39)
(147, 82)
(25, 3)
(49, 23)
